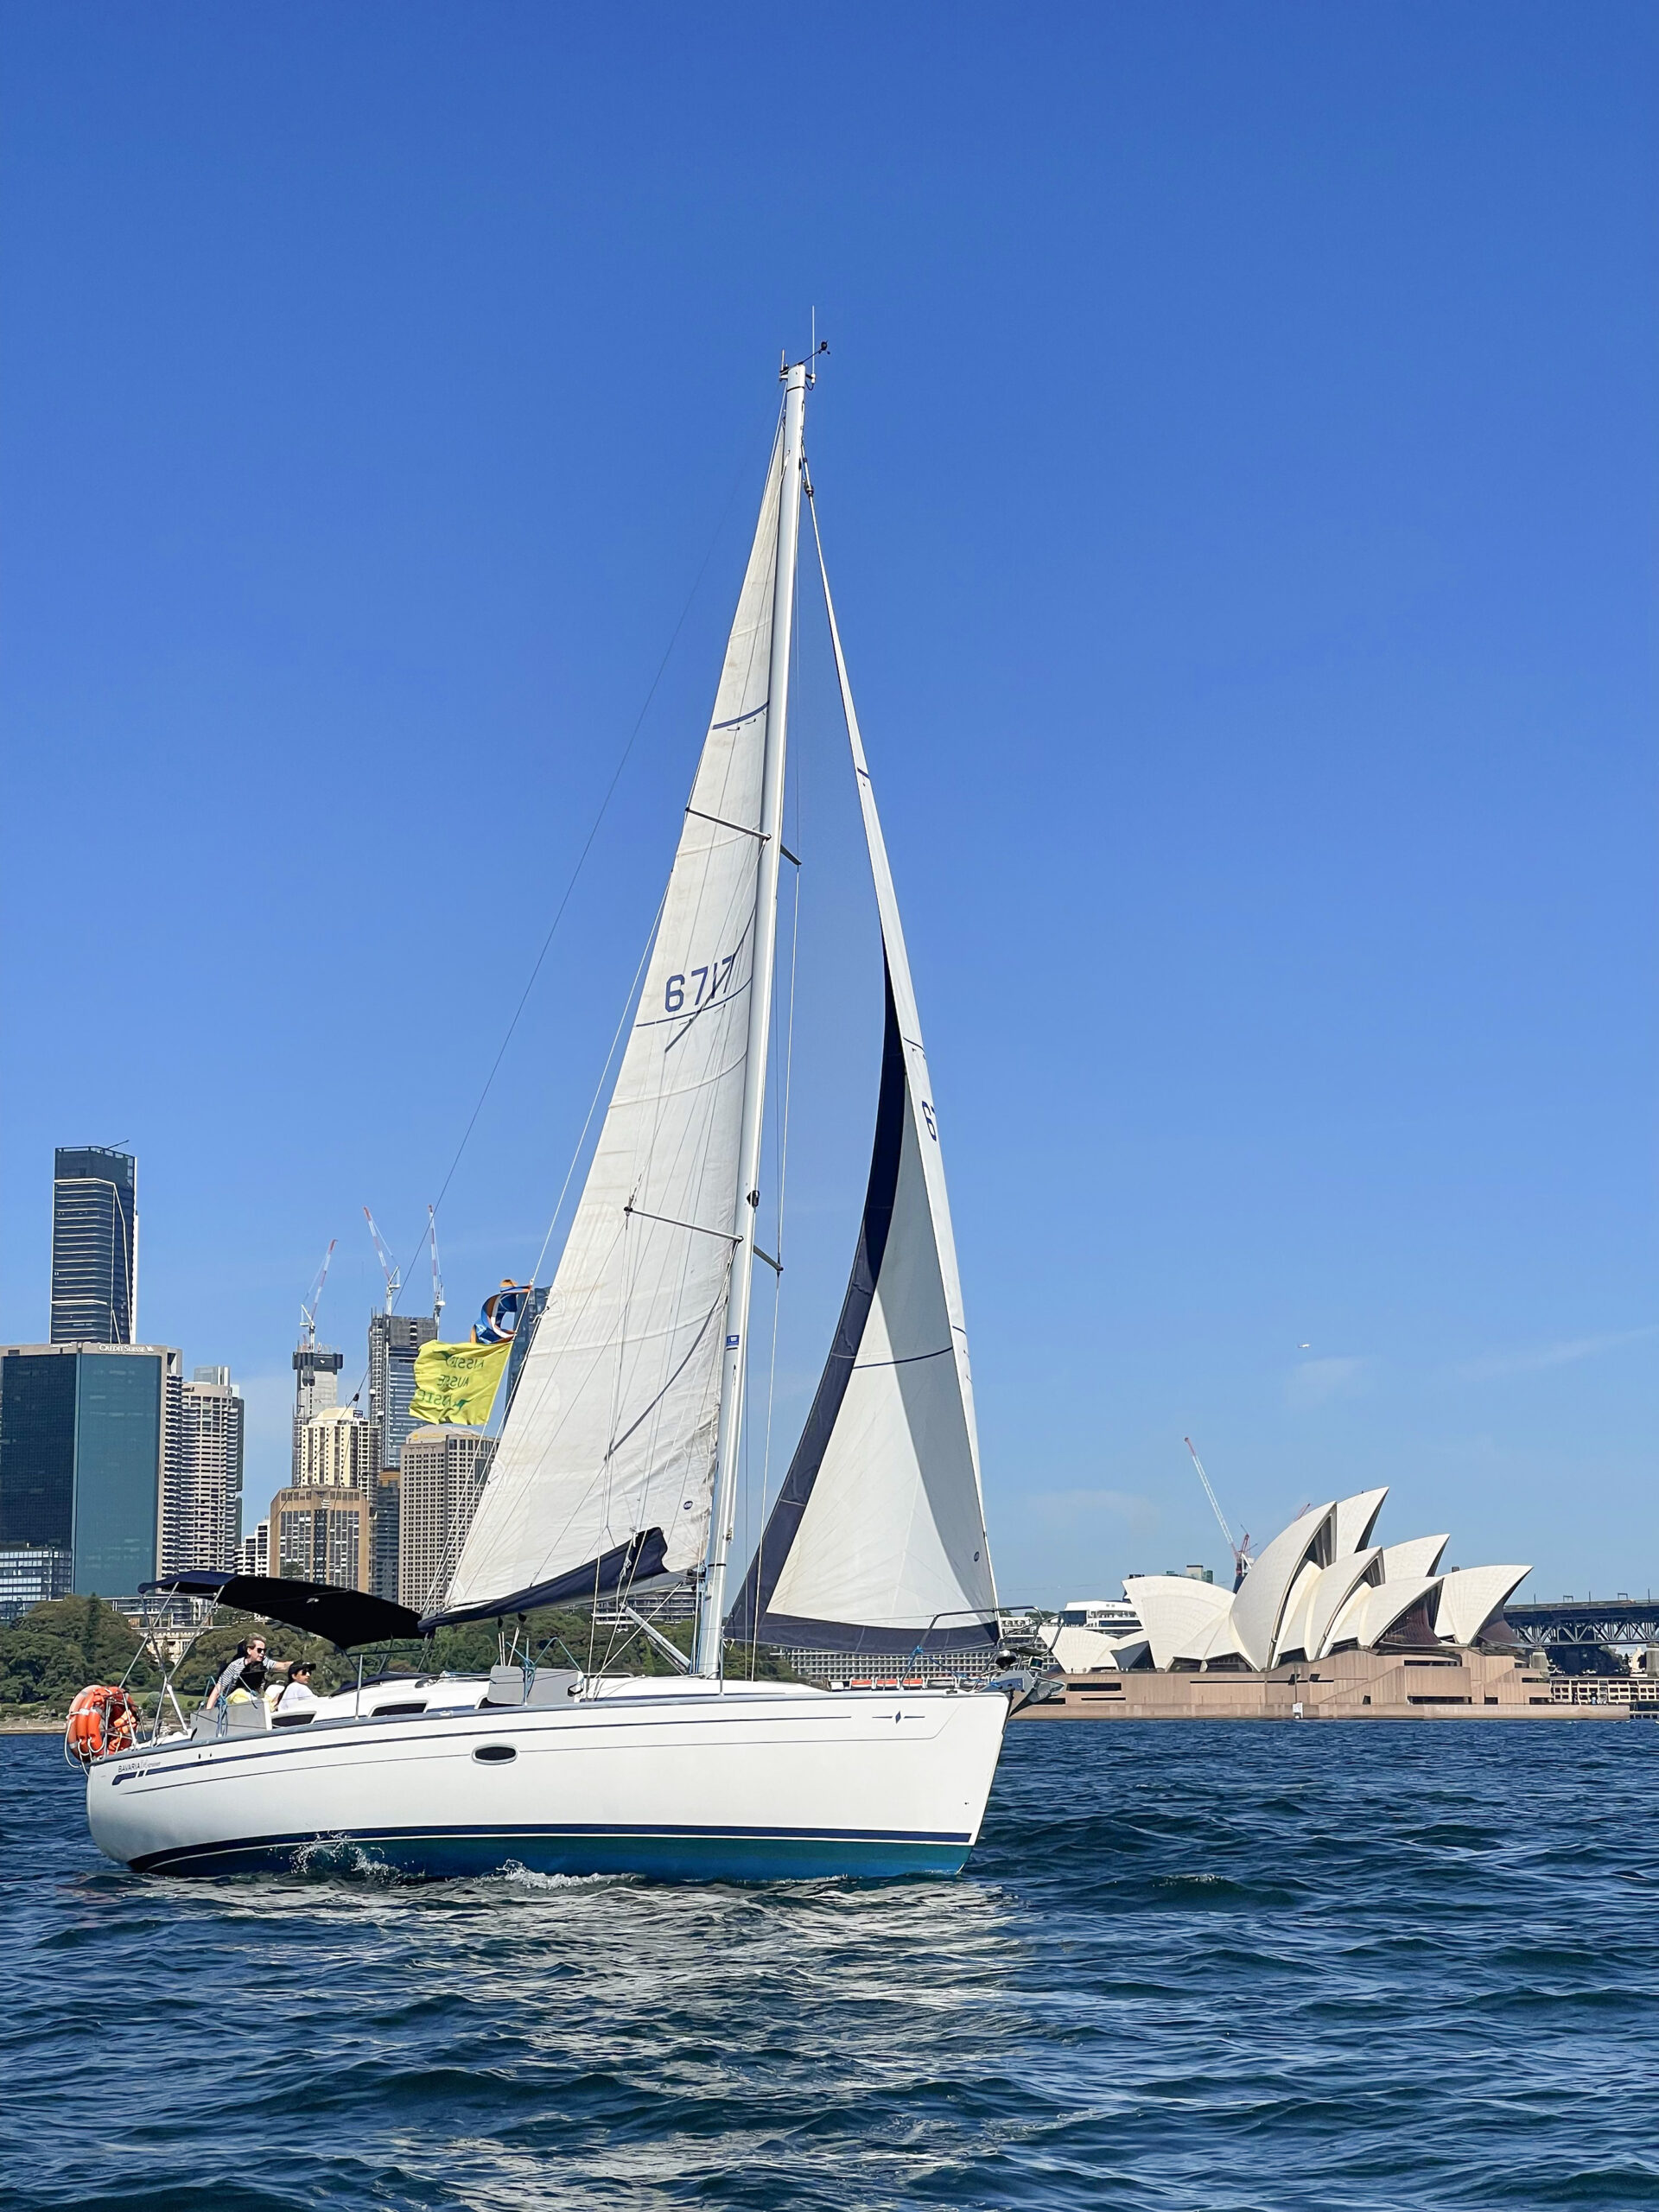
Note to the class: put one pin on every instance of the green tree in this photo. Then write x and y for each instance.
(64, 1646)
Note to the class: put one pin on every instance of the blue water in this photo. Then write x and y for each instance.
(1192, 1967)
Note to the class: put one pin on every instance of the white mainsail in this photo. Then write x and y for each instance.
(605, 1462)
(878, 1535)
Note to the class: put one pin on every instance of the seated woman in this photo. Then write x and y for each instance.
(298, 1702)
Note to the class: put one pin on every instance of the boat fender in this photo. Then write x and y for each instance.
(102, 1720)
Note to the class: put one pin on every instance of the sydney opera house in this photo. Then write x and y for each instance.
(1321, 1588)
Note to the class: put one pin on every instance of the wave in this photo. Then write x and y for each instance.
(1190, 1969)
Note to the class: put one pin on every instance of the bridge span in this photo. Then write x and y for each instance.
(1625, 1622)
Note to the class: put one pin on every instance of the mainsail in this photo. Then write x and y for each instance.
(605, 1462)
(877, 1539)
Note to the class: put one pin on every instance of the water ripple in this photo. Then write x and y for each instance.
(1197, 1968)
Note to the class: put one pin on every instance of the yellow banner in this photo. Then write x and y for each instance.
(457, 1382)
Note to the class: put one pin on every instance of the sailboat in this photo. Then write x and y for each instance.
(617, 1468)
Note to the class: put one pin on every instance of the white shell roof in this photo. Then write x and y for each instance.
(1289, 1603)
(1259, 1608)
(1471, 1595)
(1085, 1651)
(1221, 1642)
(1417, 1555)
(1177, 1613)
(1357, 1517)
(1337, 1584)
(1293, 1629)
(1389, 1601)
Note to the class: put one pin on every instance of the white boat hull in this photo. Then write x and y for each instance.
(669, 1778)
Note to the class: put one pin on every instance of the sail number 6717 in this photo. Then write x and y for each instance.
(708, 984)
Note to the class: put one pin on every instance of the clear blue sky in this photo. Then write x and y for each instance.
(1238, 460)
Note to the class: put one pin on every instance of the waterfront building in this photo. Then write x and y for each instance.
(442, 1478)
(321, 1527)
(323, 1533)
(316, 1388)
(94, 1246)
(394, 1341)
(338, 1452)
(32, 1573)
(1319, 1588)
(254, 1557)
(203, 1502)
(89, 1442)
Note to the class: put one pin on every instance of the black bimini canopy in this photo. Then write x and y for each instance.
(346, 1617)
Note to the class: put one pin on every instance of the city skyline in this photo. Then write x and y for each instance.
(114, 1467)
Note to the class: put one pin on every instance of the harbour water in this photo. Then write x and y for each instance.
(1218, 1967)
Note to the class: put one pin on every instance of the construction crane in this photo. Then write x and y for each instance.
(1241, 1550)
(313, 1298)
(389, 1267)
(437, 1278)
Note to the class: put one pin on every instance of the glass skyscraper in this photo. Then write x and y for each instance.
(90, 1443)
(94, 1246)
(395, 1340)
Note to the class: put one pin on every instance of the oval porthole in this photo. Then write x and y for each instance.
(494, 1754)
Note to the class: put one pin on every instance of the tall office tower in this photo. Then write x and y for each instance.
(202, 1504)
(90, 1448)
(337, 1452)
(94, 1246)
(316, 1388)
(394, 1340)
(444, 1476)
(254, 1555)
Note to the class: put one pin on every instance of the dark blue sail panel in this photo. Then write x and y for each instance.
(637, 1560)
(799, 1635)
(751, 1617)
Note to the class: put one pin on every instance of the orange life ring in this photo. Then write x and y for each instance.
(102, 1720)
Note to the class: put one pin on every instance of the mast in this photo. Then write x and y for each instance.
(711, 1595)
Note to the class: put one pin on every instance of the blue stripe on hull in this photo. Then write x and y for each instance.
(666, 1855)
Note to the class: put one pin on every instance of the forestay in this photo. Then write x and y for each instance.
(605, 1466)
(878, 1537)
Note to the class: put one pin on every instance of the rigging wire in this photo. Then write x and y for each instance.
(610, 791)
(582, 857)
(593, 1104)
(630, 1000)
